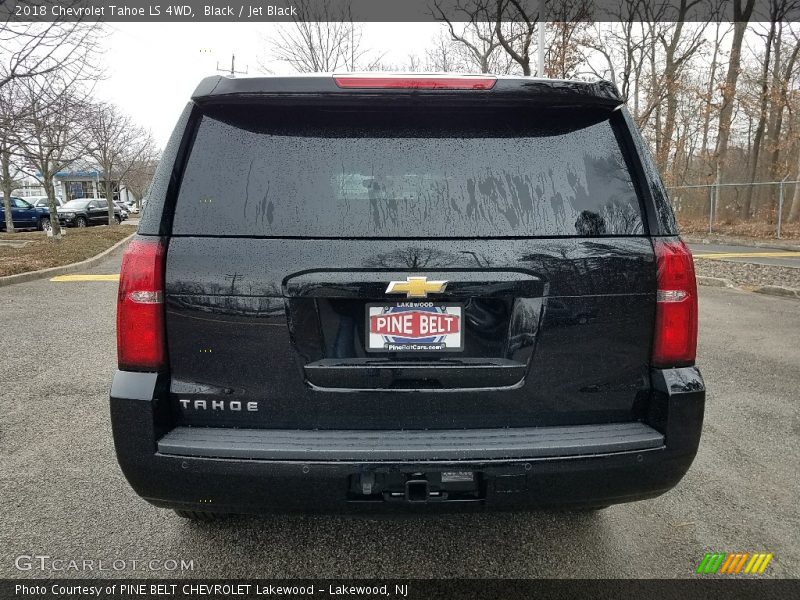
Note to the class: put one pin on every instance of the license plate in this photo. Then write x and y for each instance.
(414, 327)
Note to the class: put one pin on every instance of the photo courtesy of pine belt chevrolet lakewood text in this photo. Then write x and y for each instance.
(419, 293)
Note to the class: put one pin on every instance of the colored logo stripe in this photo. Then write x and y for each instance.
(733, 563)
(711, 562)
(758, 563)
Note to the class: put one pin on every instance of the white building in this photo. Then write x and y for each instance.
(74, 184)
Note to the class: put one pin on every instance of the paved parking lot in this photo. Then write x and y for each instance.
(63, 495)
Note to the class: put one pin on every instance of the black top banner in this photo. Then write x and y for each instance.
(183, 11)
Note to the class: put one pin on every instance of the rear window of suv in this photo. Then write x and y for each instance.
(401, 172)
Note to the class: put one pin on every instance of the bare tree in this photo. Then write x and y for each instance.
(116, 144)
(60, 53)
(497, 35)
(785, 63)
(742, 12)
(515, 24)
(141, 174)
(442, 56)
(679, 43)
(51, 137)
(621, 46)
(10, 112)
(8, 179)
(710, 92)
(37, 49)
(776, 9)
(323, 38)
(567, 34)
(476, 34)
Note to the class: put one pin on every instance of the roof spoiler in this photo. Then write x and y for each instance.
(348, 88)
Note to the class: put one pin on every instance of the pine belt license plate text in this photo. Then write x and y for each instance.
(414, 327)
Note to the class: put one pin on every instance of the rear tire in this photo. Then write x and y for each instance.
(199, 516)
(44, 225)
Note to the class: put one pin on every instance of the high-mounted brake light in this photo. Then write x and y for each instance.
(140, 307)
(675, 340)
(421, 82)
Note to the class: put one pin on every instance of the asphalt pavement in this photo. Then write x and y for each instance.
(63, 495)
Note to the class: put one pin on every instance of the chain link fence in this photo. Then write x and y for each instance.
(759, 209)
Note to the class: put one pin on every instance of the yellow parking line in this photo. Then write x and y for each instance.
(109, 277)
(749, 255)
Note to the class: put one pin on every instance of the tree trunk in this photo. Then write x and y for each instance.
(51, 205)
(5, 159)
(780, 101)
(762, 123)
(669, 126)
(709, 99)
(110, 201)
(670, 89)
(772, 139)
(655, 91)
(794, 210)
(729, 91)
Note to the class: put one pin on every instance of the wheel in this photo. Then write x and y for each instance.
(81, 222)
(117, 219)
(199, 516)
(44, 225)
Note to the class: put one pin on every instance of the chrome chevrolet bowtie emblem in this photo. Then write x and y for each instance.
(416, 287)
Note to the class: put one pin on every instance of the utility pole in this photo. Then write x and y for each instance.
(540, 49)
(232, 71)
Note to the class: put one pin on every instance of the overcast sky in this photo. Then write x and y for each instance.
(152, 68)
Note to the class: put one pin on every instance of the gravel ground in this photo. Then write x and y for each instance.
(747, 274)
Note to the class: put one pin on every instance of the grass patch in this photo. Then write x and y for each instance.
(41, 253)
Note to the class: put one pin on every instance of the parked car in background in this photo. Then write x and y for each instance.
(41, 201)
(85, 212)
(132, 208)
(25, 215)
(123, 209)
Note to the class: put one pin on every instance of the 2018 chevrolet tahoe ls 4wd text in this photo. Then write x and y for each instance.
(358, 292)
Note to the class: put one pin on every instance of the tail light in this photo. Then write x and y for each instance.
(675, 341)
(421, 82)
(140, 307)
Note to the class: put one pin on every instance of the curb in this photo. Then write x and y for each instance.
(776, 290)
(714, 281)
(63, 269)
(768, 290)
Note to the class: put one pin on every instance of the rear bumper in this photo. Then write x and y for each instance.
(250, 473)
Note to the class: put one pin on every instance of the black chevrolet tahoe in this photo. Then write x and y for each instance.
(405, 292)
